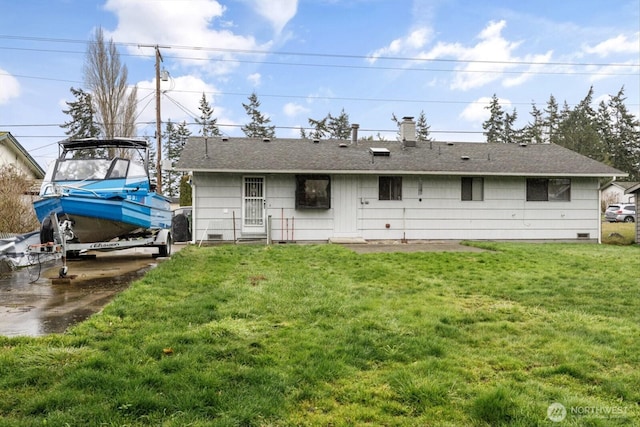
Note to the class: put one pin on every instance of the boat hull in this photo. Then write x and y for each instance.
(97, 219)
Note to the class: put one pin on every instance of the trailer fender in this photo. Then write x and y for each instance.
(163, 243)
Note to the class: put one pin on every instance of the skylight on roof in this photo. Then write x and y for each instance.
(379, 151)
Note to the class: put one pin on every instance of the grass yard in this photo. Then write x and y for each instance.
(320, 336)
(618, 233)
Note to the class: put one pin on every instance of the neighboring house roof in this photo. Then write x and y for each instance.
(248, 155)
(633, 189)
(14, 146)
(622, 185)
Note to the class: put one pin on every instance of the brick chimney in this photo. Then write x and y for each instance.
(408, 132)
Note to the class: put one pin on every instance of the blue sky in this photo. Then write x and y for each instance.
(308, 58)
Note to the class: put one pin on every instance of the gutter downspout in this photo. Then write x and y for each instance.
(194, 211)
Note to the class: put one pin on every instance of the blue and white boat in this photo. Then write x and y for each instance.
(100, 191)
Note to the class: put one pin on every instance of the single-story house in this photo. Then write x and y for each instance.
(13, 153)
(615, 192)
(325, 190)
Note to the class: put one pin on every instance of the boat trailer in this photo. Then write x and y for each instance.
(57, 239)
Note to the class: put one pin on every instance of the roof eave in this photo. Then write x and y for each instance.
(398, 172)
(37, 170)
(633, 189)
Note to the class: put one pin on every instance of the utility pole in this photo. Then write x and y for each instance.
(158, 124)
(158, 118)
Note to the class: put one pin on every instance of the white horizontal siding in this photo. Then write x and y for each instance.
(431, 208)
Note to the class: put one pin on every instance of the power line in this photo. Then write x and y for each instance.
(318, 54)
(388, 68)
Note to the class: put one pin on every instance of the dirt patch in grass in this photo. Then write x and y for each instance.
(618, 233)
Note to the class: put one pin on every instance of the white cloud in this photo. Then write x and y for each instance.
(480, 64)
(477, 112)
(255, 79)
(619, 44)
(597, 73)
(322, 94)
(487, 60)
(537, 64)
(187, 29)
(408, 45)
(291, 109)
(10, 87)
(277, 12)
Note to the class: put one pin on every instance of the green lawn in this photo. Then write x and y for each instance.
(320, 336)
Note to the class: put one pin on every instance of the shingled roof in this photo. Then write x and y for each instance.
(247, 155)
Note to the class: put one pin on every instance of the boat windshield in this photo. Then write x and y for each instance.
(78, 170)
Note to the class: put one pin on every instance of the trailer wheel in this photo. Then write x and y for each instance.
(165, 250)
(46, 231)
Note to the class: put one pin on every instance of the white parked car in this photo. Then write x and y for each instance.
(621, 212)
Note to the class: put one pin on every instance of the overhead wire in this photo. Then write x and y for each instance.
(317, 55)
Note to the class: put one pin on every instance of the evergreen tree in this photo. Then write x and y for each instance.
(176, 137)
(552, 120)
(494, 125)
(533, 133)
(578, 129)
(422, 128)
(510, 135)
(620, 131)
(258, 127)
(209, 125)
(319, 131)
(338, 126)
(82, 124)
(185, 191)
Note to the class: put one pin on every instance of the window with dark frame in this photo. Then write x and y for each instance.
(472, 188)
(390, 188)
(548, 190)
(313, 192)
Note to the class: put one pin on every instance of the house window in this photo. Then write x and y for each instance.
(472, 188)
(552, 190)
(313, 192)
(390, 188)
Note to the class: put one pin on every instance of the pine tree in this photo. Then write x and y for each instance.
(258, 127)
(621, 134)
(551, 121)
(510, 135)
(209, 125)
(533, 132)
(422, 128)
(494, 125)
(578, 129)
(319, 131)
(338, 126)
(330, 126)
(176, 137)
(82, 124)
